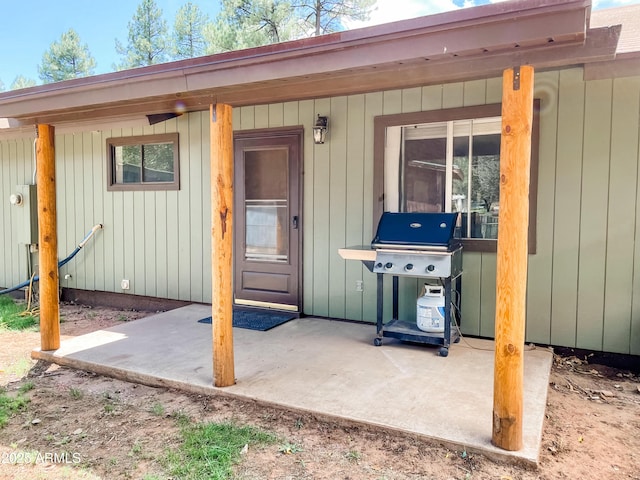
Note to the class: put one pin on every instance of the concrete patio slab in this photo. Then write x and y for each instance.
(327, 367)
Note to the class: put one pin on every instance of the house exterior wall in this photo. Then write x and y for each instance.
(16, 168)
(154, 239)
(583, 279)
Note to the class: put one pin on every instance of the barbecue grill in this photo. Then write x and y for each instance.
(420, 245)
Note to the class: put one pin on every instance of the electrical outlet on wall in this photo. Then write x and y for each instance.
(124, 284)
(359, 286)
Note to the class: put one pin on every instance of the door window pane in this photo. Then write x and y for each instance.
(266, 205)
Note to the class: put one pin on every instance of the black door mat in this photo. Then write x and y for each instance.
(257, 319)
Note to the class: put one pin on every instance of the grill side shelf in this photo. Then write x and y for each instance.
(365, 254)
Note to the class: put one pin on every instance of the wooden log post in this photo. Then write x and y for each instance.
(47, 238)
(511, 278)
(222, 244)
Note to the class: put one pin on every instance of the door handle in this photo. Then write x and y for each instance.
(294, 222)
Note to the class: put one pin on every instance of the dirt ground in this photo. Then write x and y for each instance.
(82, 425)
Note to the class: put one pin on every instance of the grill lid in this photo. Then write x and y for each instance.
(415, 230)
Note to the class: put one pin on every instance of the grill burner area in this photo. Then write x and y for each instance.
(425, 264)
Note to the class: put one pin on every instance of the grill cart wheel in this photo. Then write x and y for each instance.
(377, 341)
(444, 351)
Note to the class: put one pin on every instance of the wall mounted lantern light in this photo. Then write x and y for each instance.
(320, 129)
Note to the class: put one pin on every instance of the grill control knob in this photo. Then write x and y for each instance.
(378, 265)
(388, 265)
(408, 267)
(431, 268)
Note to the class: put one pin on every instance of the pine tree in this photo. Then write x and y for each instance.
(250, 23)
(188, 32)
(147, 42)
(326, 16)
(66, 59)
(22, 82)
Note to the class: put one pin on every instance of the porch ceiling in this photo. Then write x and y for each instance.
(465, 44)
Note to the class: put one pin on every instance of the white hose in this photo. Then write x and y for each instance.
(90, 234)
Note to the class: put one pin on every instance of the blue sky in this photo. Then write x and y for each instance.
(29, 27)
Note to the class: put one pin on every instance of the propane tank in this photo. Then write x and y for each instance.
(430, 315)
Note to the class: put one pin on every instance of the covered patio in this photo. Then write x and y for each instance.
(323, 366)
(326, 367)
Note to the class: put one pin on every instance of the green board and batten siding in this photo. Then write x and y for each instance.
(584, 280)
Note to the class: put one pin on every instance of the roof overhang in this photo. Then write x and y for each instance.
(471, 43)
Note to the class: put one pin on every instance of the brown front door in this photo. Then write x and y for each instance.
(268, 224)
